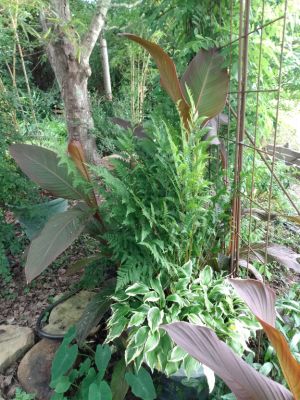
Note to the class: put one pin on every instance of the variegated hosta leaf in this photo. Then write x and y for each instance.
(59, 232)
(43, 167)
(261, 301)
(243, 380)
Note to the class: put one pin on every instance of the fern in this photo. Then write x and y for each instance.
(158, 204)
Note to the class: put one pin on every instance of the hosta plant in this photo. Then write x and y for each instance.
(203, 298)
(244, 381)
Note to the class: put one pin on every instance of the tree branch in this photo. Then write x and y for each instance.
(125, 5)
(90, 38)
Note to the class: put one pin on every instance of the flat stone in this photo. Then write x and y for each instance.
(34, 372)
(14, 342)
(68, 313)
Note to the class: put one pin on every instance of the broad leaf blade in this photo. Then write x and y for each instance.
(261, 301)
(275, 252)
(243, 380)
(141, 384)
(57, 235)
(168, 74)
(33, 218)
(137, 130)
(42, 166)
(119, 386)
(207, 81)
(95, 311)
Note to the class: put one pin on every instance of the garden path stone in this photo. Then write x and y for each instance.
(34, 372)
(14, 342)
(66, 314)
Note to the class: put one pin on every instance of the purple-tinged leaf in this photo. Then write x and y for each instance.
(137, 130)
(259, 298)
(243, 380)
(246, 265)
(58, 233)
(168, 74)
(261, 301)
(275, 252)
(42, 166)
(207, 81)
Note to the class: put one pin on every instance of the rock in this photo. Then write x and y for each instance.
(34, 372)
(14, 342)
(66, 314)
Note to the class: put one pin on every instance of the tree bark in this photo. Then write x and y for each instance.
(105, 67)
(70, 62)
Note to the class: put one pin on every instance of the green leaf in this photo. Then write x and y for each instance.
(137, 319)
(175, 298)
(33, 218)
(152, 341)
(207, 81)
(206, 275)
(62, 385)
(141, 384)
(102, 357)
(117, 328)
(94, 393)
(155, 318)
(177, 354)
(141, 336)
(137, 289)
(59, 232)
(151, 297)
(95, 310)
(64, 359)
(119, 386)
(44, 168)
(105, 391)
(131, 353)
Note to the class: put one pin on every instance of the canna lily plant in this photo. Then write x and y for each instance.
(243, 380)
(206, 80)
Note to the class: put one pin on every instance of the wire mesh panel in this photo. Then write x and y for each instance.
(257, 40)
(256, 107)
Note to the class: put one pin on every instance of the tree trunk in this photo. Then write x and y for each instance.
(105, 68)
(70, 62)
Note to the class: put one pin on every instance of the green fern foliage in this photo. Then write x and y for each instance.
(159, 206)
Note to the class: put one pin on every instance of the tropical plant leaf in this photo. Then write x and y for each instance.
(119, 386)
(207, 81)
(33, 218)
(141, 384)
(43, 167)
(246, 265)
(261, 301)
(168, 75)
(57, 235)
(275, 252)
(76, 152)
(243, 380)
(95, 311)
(102, 358)
(79, 265)
(137, 130)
